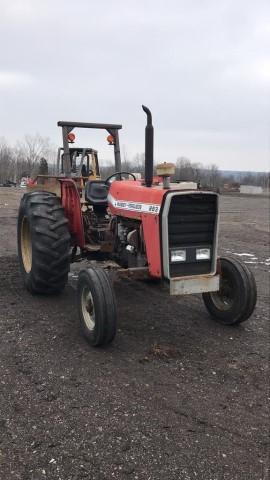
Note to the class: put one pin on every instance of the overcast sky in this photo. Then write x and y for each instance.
(202, 66)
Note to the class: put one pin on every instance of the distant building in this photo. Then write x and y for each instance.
(231, 187)
(251, 189)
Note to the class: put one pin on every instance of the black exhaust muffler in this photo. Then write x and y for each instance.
(149, 148)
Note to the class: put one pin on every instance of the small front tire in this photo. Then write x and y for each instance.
(236, 298)
(96, 306)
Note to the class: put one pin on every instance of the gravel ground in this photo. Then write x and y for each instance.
(176, 396)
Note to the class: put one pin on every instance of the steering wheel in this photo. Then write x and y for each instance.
(107, 181)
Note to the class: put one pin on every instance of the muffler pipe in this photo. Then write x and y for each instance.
(149, 148)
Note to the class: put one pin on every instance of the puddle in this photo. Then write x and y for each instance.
(243, 254)
(250, 258)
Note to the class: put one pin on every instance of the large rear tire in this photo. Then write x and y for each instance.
(43, 243)
(96, 306)
(236, 299)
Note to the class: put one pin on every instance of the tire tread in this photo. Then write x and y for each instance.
(50, 242)
(248, 294)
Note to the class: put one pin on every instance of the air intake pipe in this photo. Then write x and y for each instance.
(149, 148)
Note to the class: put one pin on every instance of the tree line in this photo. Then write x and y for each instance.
(27, 158)
(36, 155)
(208, 176)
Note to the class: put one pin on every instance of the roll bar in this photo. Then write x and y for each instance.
(104, 126)
(67, 127)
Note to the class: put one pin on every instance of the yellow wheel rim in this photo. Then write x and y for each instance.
(26, 245)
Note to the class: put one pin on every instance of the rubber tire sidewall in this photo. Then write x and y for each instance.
(28, 277)
(102, 293)
(246, 294)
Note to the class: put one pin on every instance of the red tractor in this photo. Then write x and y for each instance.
(134, 227)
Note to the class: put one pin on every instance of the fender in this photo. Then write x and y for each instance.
(72, 206)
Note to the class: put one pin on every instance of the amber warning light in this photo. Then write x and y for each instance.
(71, 137)
(110, 139)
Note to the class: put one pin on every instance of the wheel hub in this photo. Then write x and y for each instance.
(224, 298)
(88, 310)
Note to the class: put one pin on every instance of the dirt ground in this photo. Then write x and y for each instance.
(175, 397)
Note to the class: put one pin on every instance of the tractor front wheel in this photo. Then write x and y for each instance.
(43, 243)
(236, 298)
(97, 306)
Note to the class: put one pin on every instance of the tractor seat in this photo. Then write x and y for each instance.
(96, 192)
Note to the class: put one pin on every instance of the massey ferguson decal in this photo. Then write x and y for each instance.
(134, 206)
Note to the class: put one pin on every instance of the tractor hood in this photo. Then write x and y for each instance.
(130, 198)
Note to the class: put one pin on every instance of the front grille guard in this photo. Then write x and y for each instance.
(165, 234)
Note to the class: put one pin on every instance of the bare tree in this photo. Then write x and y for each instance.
(30, 150)
(187, 170)
(34, 146)
(6, 162)
(214, 176)
(43, 168)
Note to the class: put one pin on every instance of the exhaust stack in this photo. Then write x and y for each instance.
(149, 148)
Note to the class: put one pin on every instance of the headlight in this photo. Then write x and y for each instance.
(203, 254)
(178, 255)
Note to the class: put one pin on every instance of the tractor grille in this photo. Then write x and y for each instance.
(191, 225)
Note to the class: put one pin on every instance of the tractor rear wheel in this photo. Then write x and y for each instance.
(97, 306)
(236, 298)
(43, 243)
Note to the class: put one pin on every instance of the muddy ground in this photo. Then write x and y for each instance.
(176, 396)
